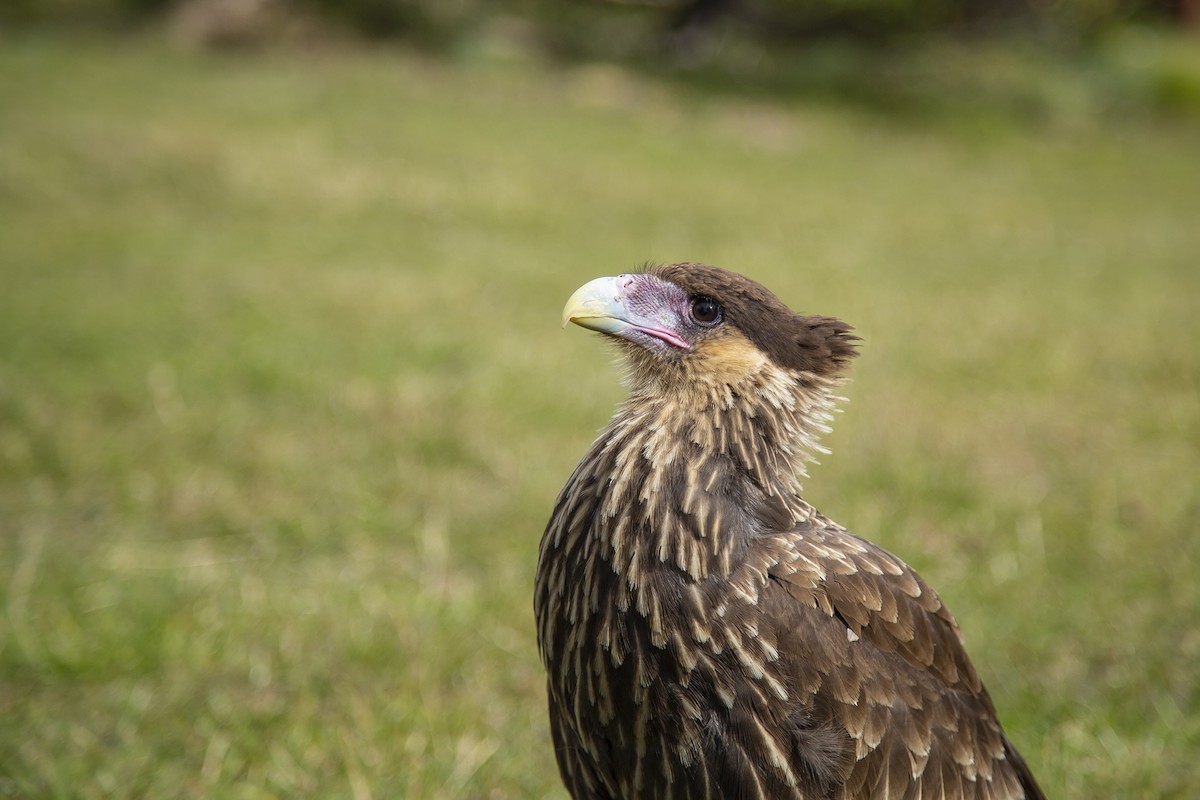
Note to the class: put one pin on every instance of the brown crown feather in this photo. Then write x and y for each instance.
(818, 344)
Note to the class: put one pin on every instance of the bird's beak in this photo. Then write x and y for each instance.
(608, 305)
(597, 305)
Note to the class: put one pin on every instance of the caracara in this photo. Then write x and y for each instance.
(706, 632)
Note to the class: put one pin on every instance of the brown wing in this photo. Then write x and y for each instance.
(580, 772)
(865, 637)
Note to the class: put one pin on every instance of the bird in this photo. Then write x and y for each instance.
(706, 631)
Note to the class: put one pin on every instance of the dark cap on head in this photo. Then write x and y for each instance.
(822, 345)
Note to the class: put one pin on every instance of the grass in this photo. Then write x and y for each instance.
(284, 403)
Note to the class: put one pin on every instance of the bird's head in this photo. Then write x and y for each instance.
(686, 323)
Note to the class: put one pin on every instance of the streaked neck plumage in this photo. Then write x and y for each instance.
(705, 440)
(769, 421)
(687, 483)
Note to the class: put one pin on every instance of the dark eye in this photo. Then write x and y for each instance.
(706, 311)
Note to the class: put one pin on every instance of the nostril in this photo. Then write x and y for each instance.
(624, 281)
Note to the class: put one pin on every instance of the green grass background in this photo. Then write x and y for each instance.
(284, 402)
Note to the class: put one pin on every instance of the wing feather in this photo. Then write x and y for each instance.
(894, 670)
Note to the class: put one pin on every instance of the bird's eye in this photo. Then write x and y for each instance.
(706, 311)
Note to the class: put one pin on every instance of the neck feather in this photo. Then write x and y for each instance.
(769, 424)
(686, 476)
(684, 484)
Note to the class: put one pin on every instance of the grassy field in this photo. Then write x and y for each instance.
(284, 402)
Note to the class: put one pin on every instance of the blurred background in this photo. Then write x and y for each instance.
(284, 400)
